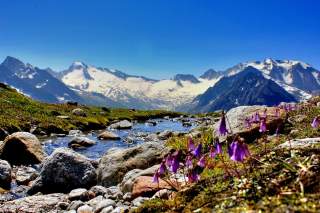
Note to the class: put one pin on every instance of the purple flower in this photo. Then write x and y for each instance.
(202, 161)
(175, 162)
(264, 113)
(162, 168)
(247, 123)
(212, 152)
(191, 146)
(188, 163)
(315, 123)
(197, 151)
(156, 177)
(277, 131)
(256, 118)
(218, 147)
(240, 151)
(231, 148)
(263, 125)
(169, 160)
(222, 130)
(193, 176)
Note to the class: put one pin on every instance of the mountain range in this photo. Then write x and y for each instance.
(266, 82)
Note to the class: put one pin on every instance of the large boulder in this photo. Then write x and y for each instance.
(117, 162)
(143, 186)
(22, 148)
(125, 124)
(63, 171)
(5, 174)
(235, 119)
(36, 203)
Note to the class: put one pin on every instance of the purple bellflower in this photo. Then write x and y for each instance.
(240, 151)
(263, 125)
(191, 146)
(188, 162)
(197, 151)
(202, 161)
(193, 176)
(156, 177)
(316, 122)
(175, 162)
(222, 130)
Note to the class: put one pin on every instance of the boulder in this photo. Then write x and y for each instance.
(107, 135)
(79, 141)
(114, 193)
(36, 203)
(75, 132)
(5, 174)
(104, 204)
(22, 148)
(139, 201)
(165, 135)
(85, 209)
(236, 122)
(63, 171)
(74, 205)
(143, 186)
(99, 190)
(26, 174)
(125, 124)
(79, 194)
(128, 180)
(117, 162)
(79, 112)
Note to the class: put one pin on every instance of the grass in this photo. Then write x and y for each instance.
(20, 113)
(278, 180)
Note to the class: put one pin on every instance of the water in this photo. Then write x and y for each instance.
(137, 133)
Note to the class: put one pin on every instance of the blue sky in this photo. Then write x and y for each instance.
(159, 38)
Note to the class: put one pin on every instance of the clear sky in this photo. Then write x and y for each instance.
(159, 38)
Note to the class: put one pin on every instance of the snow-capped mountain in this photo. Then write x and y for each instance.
(135, 91)
(35, 82)
(248, 87)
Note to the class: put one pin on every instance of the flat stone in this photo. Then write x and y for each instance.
(85, 209)
(125, 124)
(300, 143)
(74, 205)
(107, 135)
(103, 204)
(79, 194)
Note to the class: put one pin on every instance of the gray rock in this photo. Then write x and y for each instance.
(26, 174)
(108, 209)
(80, 141)
(107, 135)
(75, 132)
(85, 209)
(125, 124)
(5, 174)
(139, 201)
(26, 147)
(99, 190)
(104, 204)
(300, 143)
(151, 138)
(63, 171)
(79, 194)
(74, 205)
(165, 135)
(36, 203)
(116, 163)
(79, 112)
(114, 192)
(127, 196)
(163, 194)
(94, 202)
(120, 209)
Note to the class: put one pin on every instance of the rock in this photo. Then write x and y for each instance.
(236, 120)
(26, 174)
(143, 186)
(94, 202)
(165, 135)
(65, 117)
(300, 143)
(187, 124)
(152, 138)
(36, 203)
(63, 171)
(5, 174)
(62, 205)
(80, 141)
(163, 194)
(114, 192)
(85, 209)
(116, 163)
(99, 190)
(139, 200)
(151, 122)
(22, 148)
(79, 112)
(128, 180)
(79, 194)
(127, 196)
(14, 193)
(104, 204)
(125, 124)
(74, 205)
(108, 209)
(107, 135)
(75, 132)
